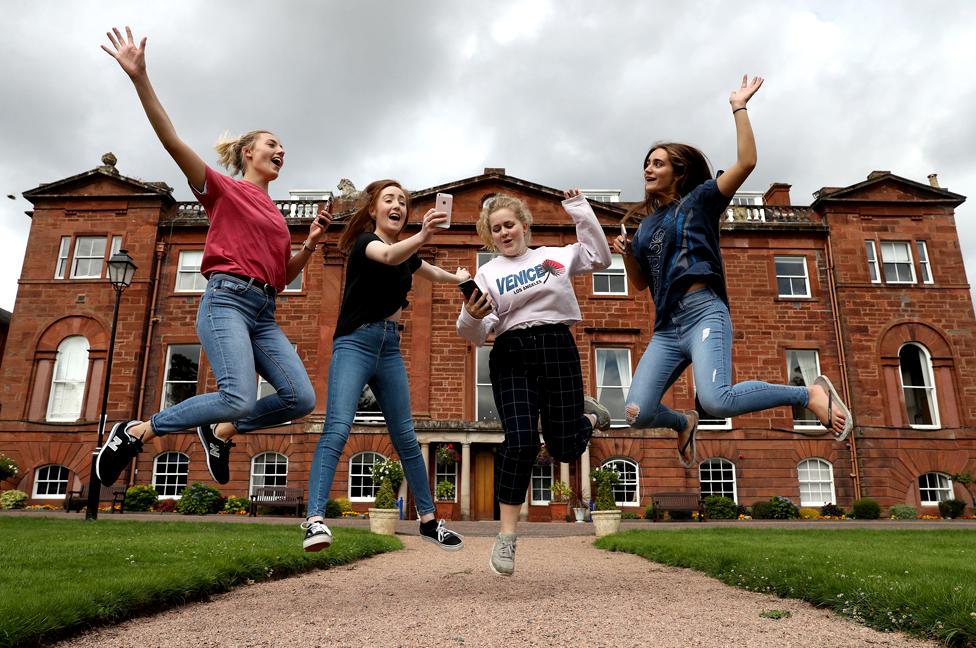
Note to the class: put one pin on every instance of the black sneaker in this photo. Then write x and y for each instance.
(217, 451)
(115, 454)
(435, 531)
(317, 536)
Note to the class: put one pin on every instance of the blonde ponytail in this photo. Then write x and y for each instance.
(230, 150)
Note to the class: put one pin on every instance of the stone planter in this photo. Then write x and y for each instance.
(383, 521)
(605, 522)
(580, 513)
(446, 510)
(557, 511)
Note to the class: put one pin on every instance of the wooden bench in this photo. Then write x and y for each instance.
(76, 500)
(691, 502)
(278, 496)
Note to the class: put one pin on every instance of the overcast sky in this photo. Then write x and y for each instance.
(563, 93)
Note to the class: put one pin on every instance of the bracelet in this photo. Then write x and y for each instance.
(305, 245)
(738, 109)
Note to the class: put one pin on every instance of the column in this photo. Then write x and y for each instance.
(524, 511)
(465, 494)
(585, 475)
(425, 453)
(564, 473)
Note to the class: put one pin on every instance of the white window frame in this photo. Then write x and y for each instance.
(63, 252)
(874, 268)
(166, 381)
(541, 485)
(449, 473)
(807, 424)
(924, 266)
(930, 389)
(720, 464)
(60, 482)
(299, 278)
(89, 256)
(943, 486)
(615, 421)
(708, 423)
(364, 473)
(792, 260)
(368, 416)
(188, 277)
(261, 461)
(823, 469)
(481, 360)
(619, 487)
(616, 269)
(893, 252)
(173, 459)
(113, 249)
(68, 379)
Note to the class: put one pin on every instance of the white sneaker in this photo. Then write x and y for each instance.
(317, 536)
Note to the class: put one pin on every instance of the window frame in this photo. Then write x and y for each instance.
(166, 370)
(792, 259)
(265, 475)
(830, 471)
(910, 263)
(613, 270)
(924, 264)
(184, 270)
(620, 486)
(948, 488)
(621, 421)
(447, 472)
(64, 255)
(181, 460)
(798, 424)
(373, 487)
(63, 476)
(932, 391)
(538, 482)
(874, 265)
(75, 258)
(54, 389)
(708, 423)
(483, 350)
(300, 277)
(722, 461)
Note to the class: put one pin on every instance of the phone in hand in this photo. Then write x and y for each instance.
(468, 288)
(443, 203)
(327, 207)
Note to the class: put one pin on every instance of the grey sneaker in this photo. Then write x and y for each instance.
(602, 414)
(502, 560)
(317, 536)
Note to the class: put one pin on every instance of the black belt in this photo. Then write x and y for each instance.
(267, 289)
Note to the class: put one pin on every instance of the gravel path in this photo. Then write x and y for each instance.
(565, 592)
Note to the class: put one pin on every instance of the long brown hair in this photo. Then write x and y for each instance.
(361, 221)
(691, 168)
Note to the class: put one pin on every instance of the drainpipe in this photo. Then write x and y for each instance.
(845, 384)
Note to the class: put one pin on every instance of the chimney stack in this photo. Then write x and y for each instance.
(934, 180)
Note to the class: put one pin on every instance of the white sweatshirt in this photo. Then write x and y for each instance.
(536, 286)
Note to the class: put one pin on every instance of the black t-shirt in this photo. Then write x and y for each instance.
(373, 290)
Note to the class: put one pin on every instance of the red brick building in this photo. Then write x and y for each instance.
(866, 285)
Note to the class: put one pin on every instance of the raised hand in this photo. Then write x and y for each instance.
(620, 244)
(319, 225)
(571, 193)
(432, 221)
(739, 98)
(131, 58)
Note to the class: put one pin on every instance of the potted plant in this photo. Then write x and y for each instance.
(580, 507)
(445, 503)
(384, 514)
(606, 515)
(446, 454)
(560, 501)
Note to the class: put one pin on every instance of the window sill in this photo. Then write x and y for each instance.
(611, 296)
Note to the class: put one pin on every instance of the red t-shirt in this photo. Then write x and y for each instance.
(248, 235)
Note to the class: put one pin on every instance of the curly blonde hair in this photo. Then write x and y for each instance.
(230, 150)
(503, 201)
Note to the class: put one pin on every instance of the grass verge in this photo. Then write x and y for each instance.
(61, 576)
(919, 582)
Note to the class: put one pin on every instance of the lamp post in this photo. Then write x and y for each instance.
(120, 272)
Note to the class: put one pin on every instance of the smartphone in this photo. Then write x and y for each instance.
(443, 203)
(469, 287)
(327, 206)
(623, 231)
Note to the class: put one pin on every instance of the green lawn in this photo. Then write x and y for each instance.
(922, 582)
(59, 576)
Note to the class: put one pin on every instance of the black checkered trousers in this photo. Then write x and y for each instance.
(535, 372)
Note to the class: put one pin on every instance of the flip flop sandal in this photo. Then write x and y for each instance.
(832, 399)
(690, 442)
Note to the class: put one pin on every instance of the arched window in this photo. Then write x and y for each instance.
(169, 474)
(816, 478)
(269, 469)
(626, 492)
(717, 477)
(50, 482)
(933, 488)
(918, 385)
(361, 487)
(542, 483)
(68, 382)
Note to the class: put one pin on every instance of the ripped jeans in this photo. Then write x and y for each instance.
(698, 332)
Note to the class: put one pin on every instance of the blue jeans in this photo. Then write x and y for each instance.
(699, 332)
(370, 355)
(237, 329)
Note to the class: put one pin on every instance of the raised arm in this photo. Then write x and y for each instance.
(745, 161)
(622, 246)
(437, 274)
(132, 59)
(400, 251)
(592, 252)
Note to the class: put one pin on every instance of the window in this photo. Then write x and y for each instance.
(446, 472)
(918, 386)
(368, 410)
(485, 405)
(625, 491)
(613, 280)
(896, 262)
(89, 256)
(62, 257)
(542, 483)
(802, 368)
(188, 277)
(934, 488)
(791, 276)
(485, 257)
(50, 482)
(717, 477)
(361, 487)
(169, 474)
(68, 384)
(923, 262)
(707, 420)
(269, 469)
(613, 381)
(116, 246)
(872, 254)
(816, 478)
(296, 284)
(182, 370)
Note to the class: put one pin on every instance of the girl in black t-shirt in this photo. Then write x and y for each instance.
(366, 351)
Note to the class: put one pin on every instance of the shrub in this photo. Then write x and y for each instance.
(345, 506)
(605, 478)
(391, 470)
(903, 512)
(831, 510)
(165, 506)
(384, 496)
(236, 504)
(561, 491)
(140, 498)
(951, 508)
(742, 509)
(866, 509)
(13, 499)
(200, 499)
(332, 509)
(718, 507)
(629, 515)
(649, 512)
(808, 513)
(762, 511)
(8, 467)
(781, 508)
(445, 491)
